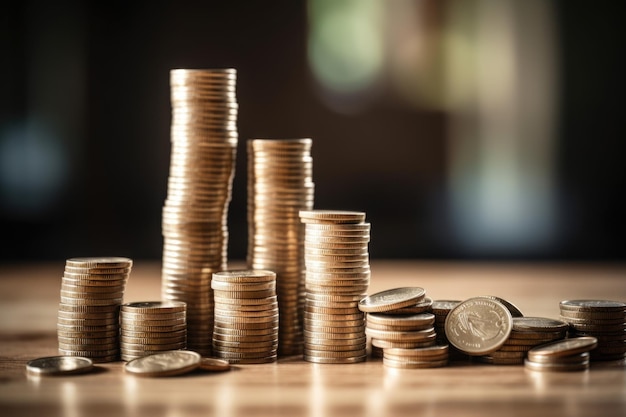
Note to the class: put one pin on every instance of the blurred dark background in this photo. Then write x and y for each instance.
(483, 129)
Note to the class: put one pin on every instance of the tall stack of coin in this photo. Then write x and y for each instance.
(92, 291)
(152, 326)
(246, 316)
(526, 334)
(603, 319)
(564, 355)
(202, 165)
(280, 184)
(337, 276)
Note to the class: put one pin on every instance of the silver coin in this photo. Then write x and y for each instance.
(161, 364)
(59, 365)
(478, 326)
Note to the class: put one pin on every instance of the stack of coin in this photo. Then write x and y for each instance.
(337, 276)
(280, 184)
(603, 319)
(399, 318)
(563, 355)
(246, 316)
(424, 357)
(478, 326)
(526, 334)
(202, 165)
(152, 326)
(92, 291)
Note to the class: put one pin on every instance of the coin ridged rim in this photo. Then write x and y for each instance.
(154, 307)
(387, 344)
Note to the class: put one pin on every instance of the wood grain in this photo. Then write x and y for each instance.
(29, 296)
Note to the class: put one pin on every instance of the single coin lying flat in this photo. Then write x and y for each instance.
(59, 365)
(168, 363)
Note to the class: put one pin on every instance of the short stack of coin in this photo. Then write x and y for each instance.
(202, 165)
(280, 184)
(337, 277)
(92, 291)
(422, 306)
(603, 319)
(398, 318)
(565, 355)
(526, 334)
(246, 316)
(152, 326)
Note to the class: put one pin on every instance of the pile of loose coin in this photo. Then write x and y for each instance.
(246, 316)
(337, 277)
(202, 164)
(602, 319)
(280, 184)
(92, 291)
(152, 326)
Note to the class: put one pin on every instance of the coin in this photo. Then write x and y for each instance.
(331, 216)
(174, 362)
(392, 299)
(214, 365)
(100, 262)
(556, 367)
(538, 324)
(515, 312)
(59, 365)
(478, 326)
(408, 364)
(565, 347)
(593, 305)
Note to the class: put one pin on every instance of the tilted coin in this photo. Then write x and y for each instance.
(168, 363)
(59, 365)
(214, 365)
(391, 299)
(565, 347)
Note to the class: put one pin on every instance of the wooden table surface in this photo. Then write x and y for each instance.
(29, 296)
